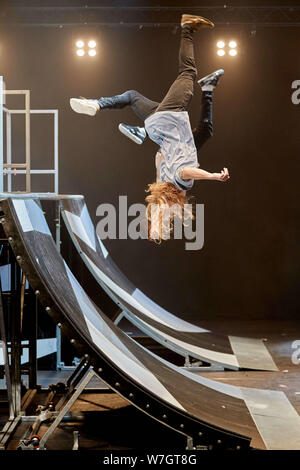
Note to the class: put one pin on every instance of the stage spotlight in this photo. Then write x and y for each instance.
(92, 44)
(220, 44)
(92, 52)
(232, 44)
(79, 44)
(233, 52)
(80, 52)
(221, 52)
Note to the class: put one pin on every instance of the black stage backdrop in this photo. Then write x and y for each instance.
(249, 265)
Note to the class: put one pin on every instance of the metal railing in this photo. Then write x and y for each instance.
(8, 167)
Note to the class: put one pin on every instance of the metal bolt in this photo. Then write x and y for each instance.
(131, 395)
(86, 356)
(200, 434)
(2, 220)
(238, 447)
(100, 369)
(117, 384)
(72, 341)
(37, 292)
(219, 441)
(164, 416)
(48, 309)
(147, 406)
(19, 258)
(59, 325)
(10, 239)
(182, 426)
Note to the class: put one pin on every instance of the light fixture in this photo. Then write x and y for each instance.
(85, 47)
(227, 47)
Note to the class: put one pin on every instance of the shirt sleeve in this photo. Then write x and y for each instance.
(182, 184)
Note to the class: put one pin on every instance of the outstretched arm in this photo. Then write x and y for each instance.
(189, 173)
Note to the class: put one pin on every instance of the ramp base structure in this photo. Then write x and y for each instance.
(76, 384)
(11, 348)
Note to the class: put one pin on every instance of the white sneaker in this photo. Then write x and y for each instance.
(210, 82)
(134, 133)
(84, 106)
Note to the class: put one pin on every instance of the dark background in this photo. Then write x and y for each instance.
(249, 266)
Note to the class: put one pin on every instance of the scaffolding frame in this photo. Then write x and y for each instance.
(9, 168)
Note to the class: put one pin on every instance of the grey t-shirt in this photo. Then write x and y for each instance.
(171, 130)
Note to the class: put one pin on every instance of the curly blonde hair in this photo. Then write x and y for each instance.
(163, 203)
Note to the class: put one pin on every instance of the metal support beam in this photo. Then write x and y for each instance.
(27, 164)
(33, 347)
(27, 140)
(120, 314)
(8, 147)
(149, 16)
(75, 385)
(1, 133)
(6, 359)
(15, 319)
(66, 408)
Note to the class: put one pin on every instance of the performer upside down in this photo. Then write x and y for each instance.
(168, 125)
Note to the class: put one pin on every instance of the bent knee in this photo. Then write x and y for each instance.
(133, 93)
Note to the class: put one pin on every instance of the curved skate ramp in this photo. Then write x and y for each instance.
(208, 411)
(181, 336)
(212, 413)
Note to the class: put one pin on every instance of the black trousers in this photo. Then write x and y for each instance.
(177, 98)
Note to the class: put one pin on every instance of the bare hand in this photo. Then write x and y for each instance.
(223, 176)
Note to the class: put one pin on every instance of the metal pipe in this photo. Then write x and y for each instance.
(27, 137)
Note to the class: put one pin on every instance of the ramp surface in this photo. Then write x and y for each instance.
(196, 406)
(171, 331)
(211, 412)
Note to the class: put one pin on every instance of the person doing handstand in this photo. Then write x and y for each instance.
(168, 125)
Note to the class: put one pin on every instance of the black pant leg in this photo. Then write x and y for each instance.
(181, 91)
(204, 130)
